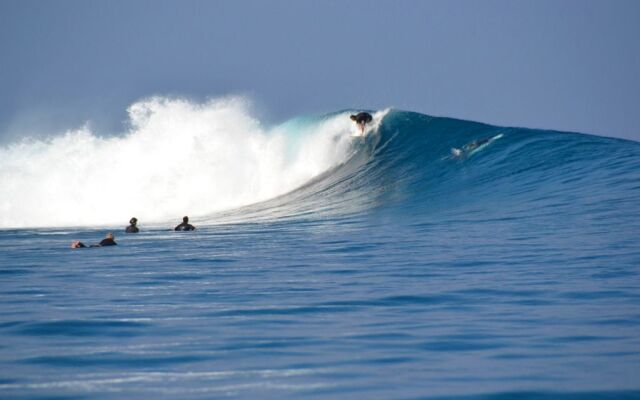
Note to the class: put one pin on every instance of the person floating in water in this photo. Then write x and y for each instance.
(185, 225)
(132, 228)
(362, 119)
(107, 241)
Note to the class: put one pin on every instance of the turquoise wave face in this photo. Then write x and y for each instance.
(418, 167)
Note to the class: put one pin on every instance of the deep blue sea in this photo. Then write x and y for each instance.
(399, 272)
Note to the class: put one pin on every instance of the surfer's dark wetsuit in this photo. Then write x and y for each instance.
(108, 241)
(132, 228)
(362, 118)
(185, 225)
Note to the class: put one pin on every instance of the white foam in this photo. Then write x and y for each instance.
(178, 158)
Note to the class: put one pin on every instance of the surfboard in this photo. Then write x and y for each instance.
(463, 153)
(482, 146)
(357, 133)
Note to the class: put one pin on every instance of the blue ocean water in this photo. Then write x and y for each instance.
(402, 272)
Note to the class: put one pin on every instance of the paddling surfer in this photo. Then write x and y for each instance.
(107, 241)
(469, 147)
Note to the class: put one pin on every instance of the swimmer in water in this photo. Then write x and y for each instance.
(132, 228)
(185, 225)
(107, 241)
(362, 119)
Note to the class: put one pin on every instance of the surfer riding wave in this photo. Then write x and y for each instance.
(362, 119)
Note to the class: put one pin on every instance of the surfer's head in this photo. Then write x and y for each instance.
(185, 219)
(133, 221)
(110, 235)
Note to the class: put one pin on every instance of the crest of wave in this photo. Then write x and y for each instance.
(177, 158)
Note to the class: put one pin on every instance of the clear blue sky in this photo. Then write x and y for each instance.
(561, 64)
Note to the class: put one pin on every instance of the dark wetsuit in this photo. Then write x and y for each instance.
(132, 229)
(104, 242)
(362, 118)
(185, 226)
